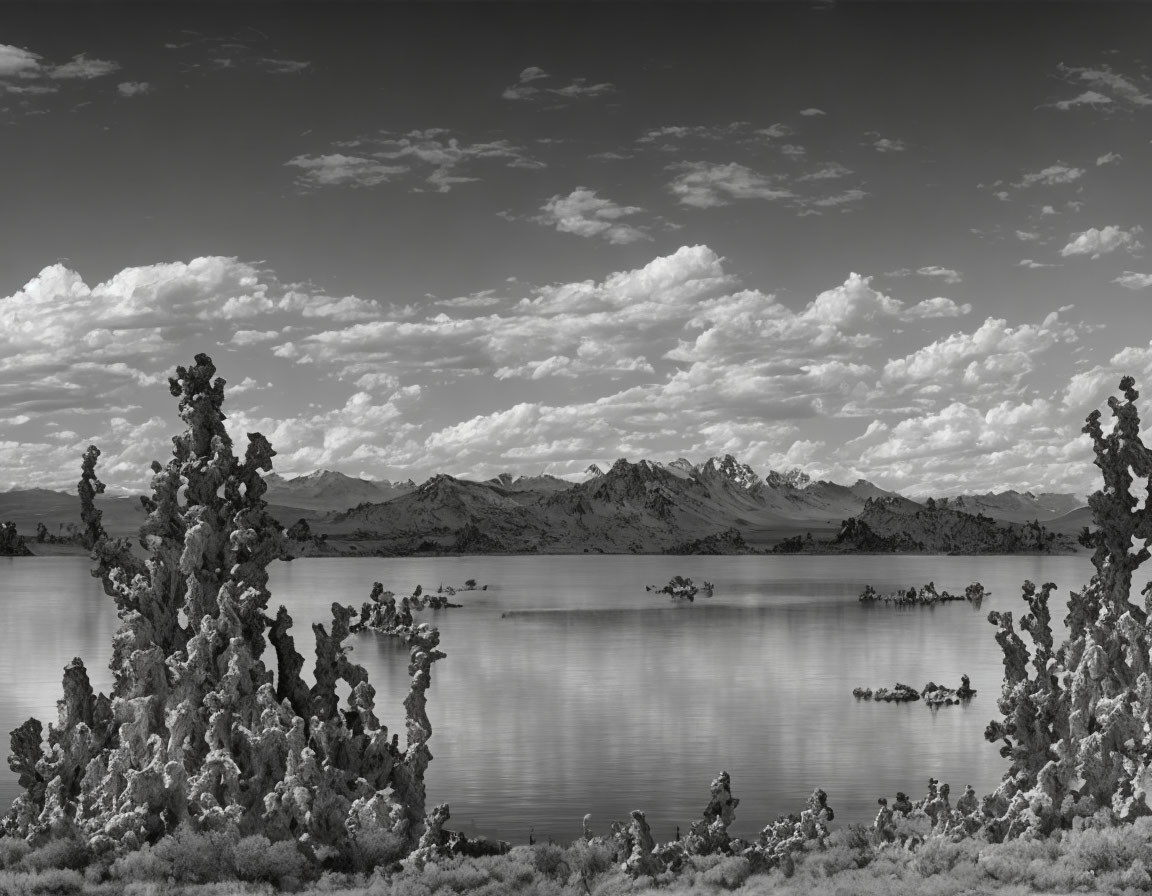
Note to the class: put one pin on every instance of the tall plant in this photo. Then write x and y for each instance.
(198, 731)
(1077, 720)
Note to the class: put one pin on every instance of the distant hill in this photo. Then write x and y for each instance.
(897, 525)
(542, 483)
(719, 506)
(123, 516)
(327, 490)
(1018, 507)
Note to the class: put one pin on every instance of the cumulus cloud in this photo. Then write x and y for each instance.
(583, 213)
(996, 356)
(704, 185)
(776, 131)
(887, 144)
(1109, 158)
(18, 62)
(28, 76)
(830, 171)
(338, 169)
(1103, 82)
(1051, 176)
(1133, 280)
(945, 450)
(133, 88)
(83, 68)
(443, 161)
(1101, 241)
(627, 358)
(946, 274)
(812, 110)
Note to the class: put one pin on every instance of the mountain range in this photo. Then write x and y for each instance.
(718, 506)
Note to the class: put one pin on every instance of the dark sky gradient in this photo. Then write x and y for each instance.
(928, 111)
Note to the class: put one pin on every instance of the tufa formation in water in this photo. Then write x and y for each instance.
(198, 731)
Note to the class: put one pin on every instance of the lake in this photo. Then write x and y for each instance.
(568, 689)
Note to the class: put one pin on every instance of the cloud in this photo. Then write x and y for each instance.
(133, 88)
(776, 131)
(233, 52)
(1026, 236)
(1051, 176)
(337, 169)
(994, 357)
(1034, 265)
(1087, 98)
(812, 110)
(18, 62)
(1104, 82)
(1109, 158)
(28, 75)
(624, 358)
(671, 135)
(282, 66)
(83, 68)
(812, 204)
(704, 185)
(581, 88)
(524, 89)
(946, 274)
(443, 161)
(944, 451)
(1101, 241)
(830, 171)
(585, 214)
(886, 144)
(1133, 280)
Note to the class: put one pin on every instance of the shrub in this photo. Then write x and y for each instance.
(141, 865)
(66, 852)
(258, 859)
(730, 872)
(12, 850)
(196, 857)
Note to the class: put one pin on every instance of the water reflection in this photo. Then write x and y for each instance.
(569, 689)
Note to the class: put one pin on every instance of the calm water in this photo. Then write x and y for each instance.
(568, 689)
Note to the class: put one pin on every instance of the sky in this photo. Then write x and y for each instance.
(900, 242)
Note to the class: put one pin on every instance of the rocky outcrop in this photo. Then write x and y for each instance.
(926, 596)
(794, 478)
(902, 693)
(382, 614)
(641, 856)
(730, 541)
(11, 542)
(729, 470)
(933, 695)
(1077, 720)
(909, 824)
(895, 525)
(681, 588)
(198, 731)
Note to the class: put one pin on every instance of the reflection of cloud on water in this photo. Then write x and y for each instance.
(593, 695)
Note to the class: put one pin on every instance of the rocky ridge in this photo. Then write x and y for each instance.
(719, 506)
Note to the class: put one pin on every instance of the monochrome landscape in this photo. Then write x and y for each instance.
(575, 448)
